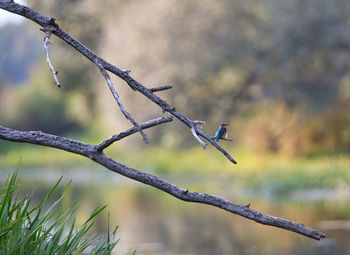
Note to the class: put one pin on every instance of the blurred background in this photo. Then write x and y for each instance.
(277, 71)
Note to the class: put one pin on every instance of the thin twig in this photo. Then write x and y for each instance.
(116, 97)
(161, 88)
(89, 151)
(222, 138)
(46, 42)
(226, 139)
(194, 132)
(127, 71)
(198, 122)
(109, 141)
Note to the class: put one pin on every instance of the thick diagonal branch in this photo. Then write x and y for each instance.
(91, 152)
(135, 85)
(119, 102)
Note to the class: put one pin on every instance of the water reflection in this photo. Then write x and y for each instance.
(153, 222)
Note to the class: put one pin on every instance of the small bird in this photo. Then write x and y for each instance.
(222, 131)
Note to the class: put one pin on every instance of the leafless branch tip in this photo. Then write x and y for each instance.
(198, 122)
(46, 46)
(223, 138)
(161, 88)
(194, 132)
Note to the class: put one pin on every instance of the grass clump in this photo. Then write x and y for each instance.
(43, 229)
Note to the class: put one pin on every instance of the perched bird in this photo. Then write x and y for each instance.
(222, 131)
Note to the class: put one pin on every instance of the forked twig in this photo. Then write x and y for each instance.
(116, 97)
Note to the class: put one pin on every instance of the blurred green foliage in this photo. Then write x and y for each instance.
(278, 71)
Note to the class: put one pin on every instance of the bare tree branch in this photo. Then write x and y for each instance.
(105, 143)
(92, 152)
(198, 122)
(223, 138)
(95, 152)
(193, 130)
(46, 42)
(161, 88)
(135, 85)
(116, 97)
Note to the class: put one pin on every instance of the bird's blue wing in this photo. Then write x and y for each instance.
(218, 134)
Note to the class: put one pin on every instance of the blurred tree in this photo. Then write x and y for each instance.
(20, 50)
(40, 108)
(35, 105)
(229, 61)
(229, 58)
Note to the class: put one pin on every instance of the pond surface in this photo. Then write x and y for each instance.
(153, 222)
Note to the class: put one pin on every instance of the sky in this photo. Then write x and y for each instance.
(8, 17)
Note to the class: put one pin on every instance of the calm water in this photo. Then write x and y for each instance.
(153, 222)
